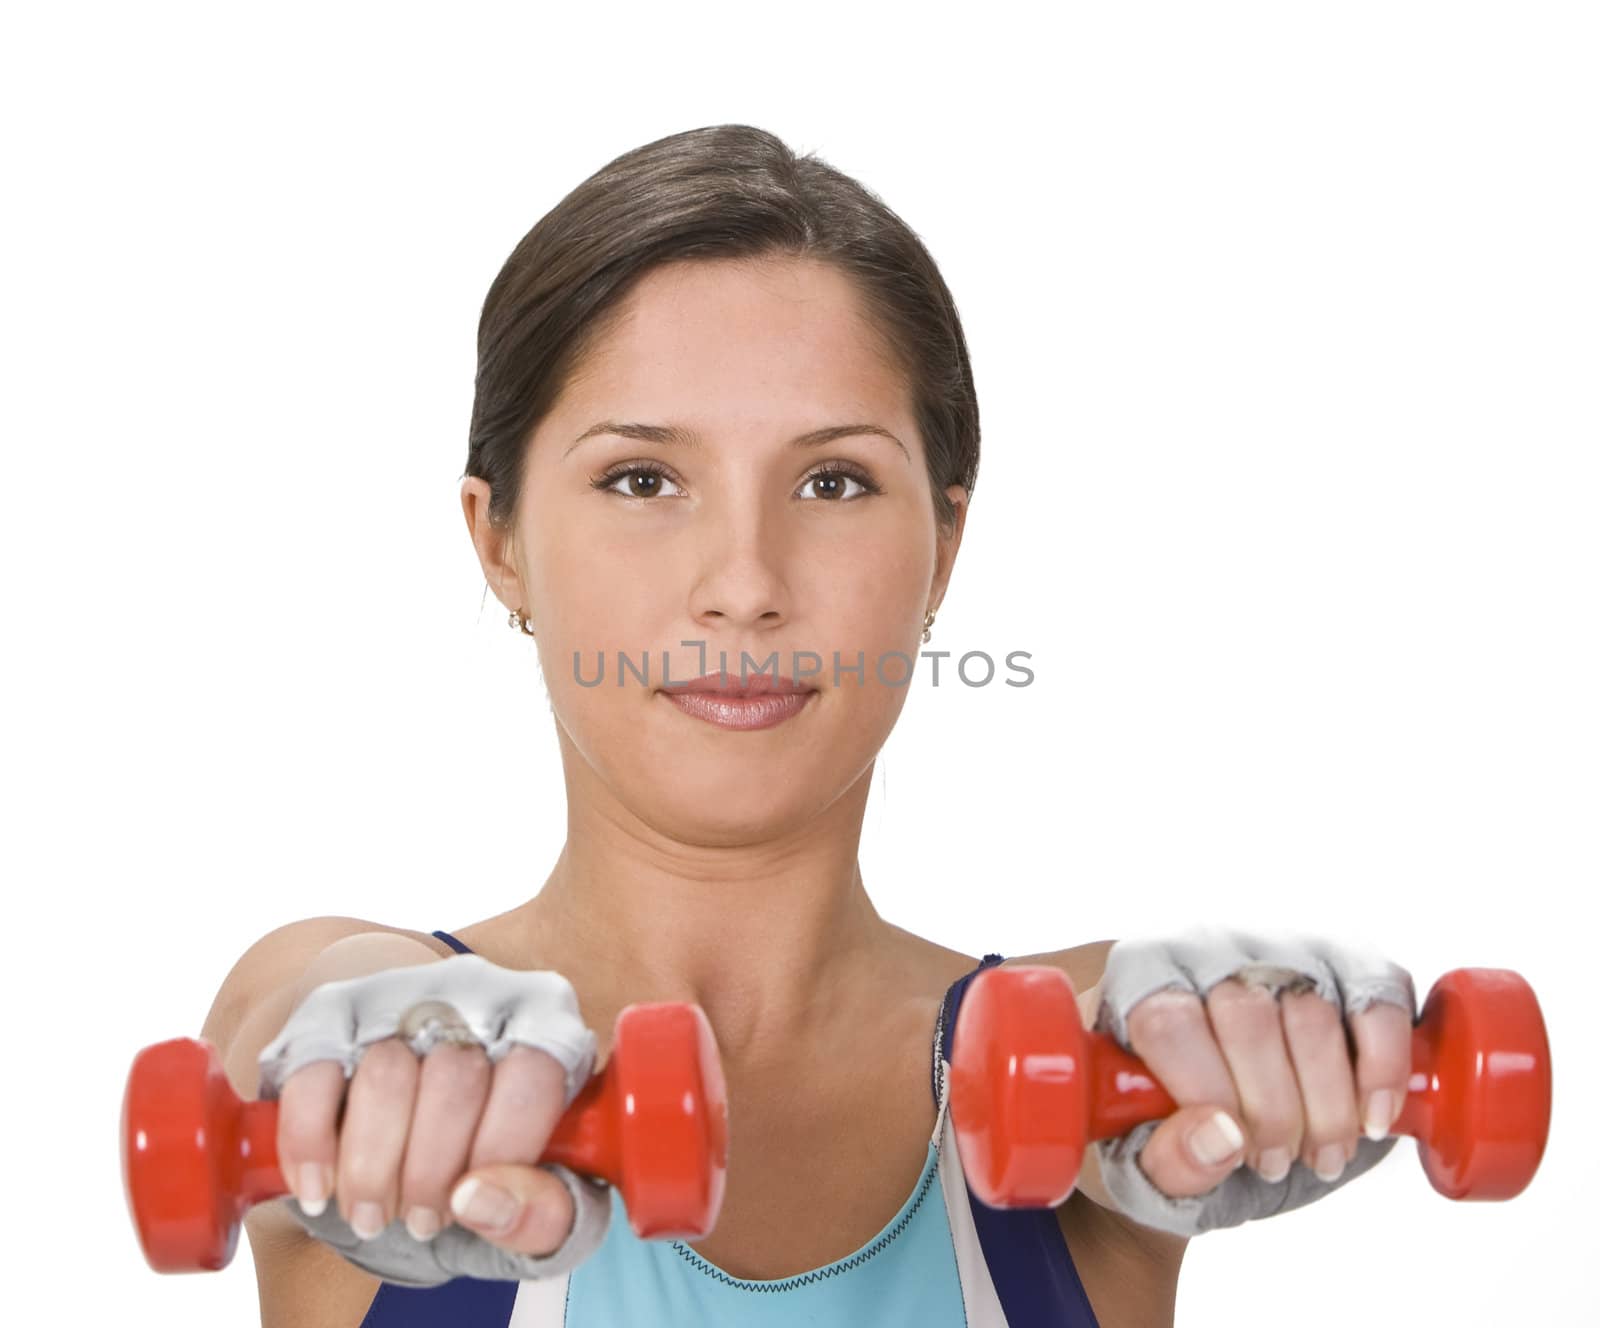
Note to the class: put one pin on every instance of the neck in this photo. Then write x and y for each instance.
(773, 940)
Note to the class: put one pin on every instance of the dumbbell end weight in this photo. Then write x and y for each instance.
(1030, 1087)
(662, 1126)
(194, 1157)
(1479, 1099)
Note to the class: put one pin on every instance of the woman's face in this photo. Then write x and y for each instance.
(739, 538)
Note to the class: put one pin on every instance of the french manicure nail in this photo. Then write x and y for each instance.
(1380, 1114)
(367, 1220)
(485, 1206)
(1329, 1162)
(1217, 1140)
(1274, 1165)
(312, 1191)
(422, 1223)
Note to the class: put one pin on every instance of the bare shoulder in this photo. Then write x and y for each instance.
(1083, 964)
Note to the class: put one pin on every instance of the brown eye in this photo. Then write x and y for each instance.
(831, 486)
(635, 482)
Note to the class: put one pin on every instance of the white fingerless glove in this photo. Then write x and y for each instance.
(1195, 962)
(397, 1256)
(461, 999)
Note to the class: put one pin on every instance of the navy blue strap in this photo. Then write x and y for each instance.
(454, 944)
(952, 1003)
(465, 1300)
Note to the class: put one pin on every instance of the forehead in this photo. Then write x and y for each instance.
(783, 343)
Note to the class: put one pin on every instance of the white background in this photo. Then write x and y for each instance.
(1284, 323)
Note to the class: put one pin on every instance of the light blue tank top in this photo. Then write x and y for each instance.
(944, 1260)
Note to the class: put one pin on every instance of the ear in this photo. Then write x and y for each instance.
(949, 543)
(496, 545)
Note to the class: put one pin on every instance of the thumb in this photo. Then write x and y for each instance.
(523, 1209)
(1192, 1151)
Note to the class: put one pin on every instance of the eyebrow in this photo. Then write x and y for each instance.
(672, 435)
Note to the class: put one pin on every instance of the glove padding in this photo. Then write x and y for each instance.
(396, 1256)
(463, 999)
(1350, 977)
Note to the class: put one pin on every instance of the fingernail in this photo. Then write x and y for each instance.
(422, 1223)
(367, 1220)
(312, 1191)
(1329, 1162)
(1217, 1140)
(1380, 1114)
(1274, 1165)
(488, 1207)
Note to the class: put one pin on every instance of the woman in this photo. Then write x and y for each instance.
(724, 411)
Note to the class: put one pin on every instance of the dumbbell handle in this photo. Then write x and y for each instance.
(1123, 1093)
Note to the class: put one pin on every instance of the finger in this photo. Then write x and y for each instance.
(1192, 1151)
(1246, 1023)
(525, 1101)
(520, 1208)
(452, 1087)
(1169, 1031)
(1382, 1034)
(1320, 1049)
(308, 1132)
(372, 1138)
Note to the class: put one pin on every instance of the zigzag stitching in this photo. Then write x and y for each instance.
(816, 1274)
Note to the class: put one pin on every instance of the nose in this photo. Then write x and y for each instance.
(740, 582)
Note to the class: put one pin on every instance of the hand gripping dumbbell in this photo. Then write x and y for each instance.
(1031, 1088)
(654, 1121)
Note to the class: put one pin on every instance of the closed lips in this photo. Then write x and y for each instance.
(724, 685)
(757, 704)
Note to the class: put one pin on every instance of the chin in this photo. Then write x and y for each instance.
(727, 818)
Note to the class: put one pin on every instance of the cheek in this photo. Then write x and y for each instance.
(596, 595)
(868, 598)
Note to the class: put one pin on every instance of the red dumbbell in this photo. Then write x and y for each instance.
(1030, 1087)
(654, 1121)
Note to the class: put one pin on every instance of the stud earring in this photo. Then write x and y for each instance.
(515, 619)
(927, 627)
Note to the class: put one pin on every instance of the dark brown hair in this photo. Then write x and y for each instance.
(721, 192)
